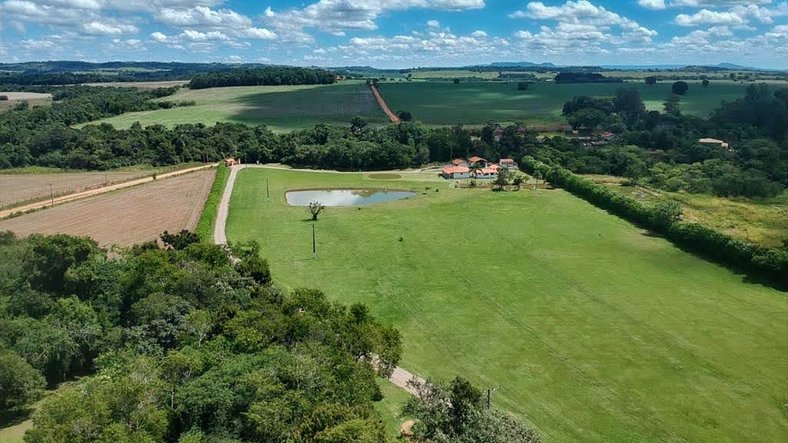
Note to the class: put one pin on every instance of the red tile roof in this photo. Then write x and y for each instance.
(457, 161)
(455, 170)
(476, 159)
(506, 161)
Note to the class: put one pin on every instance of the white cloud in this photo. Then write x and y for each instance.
(433, 24)
(652, 4)
(234, 59)
(738, 15)
(158, 37)
(202, 16)
(101, 28)
(259, 33)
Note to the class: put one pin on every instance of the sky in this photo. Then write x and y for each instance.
(398, 33)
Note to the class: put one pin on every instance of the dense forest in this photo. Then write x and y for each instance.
(193, 343)
(273, 76)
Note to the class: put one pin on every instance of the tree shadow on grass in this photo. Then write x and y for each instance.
(14, 417)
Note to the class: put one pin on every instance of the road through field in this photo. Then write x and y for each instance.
(383, 105)
(89, 193)
(399, 377)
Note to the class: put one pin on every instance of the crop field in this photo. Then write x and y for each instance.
(764, 222)
(282, 108)
(474, 103)
(23, 185)
(592, 329)
(124, 217)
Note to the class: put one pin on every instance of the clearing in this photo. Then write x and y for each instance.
(32, 98)
(757, 221)
(477, 103)
(281, 108)
(124, 217)
(141, 85)
(558, 303)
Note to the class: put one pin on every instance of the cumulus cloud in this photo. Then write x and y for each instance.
(102, 28)
(652, 4)
(738, 15)
(334, 16)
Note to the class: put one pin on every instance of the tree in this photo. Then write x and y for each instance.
(680, 88)
(705, 83)
(523, 86)
(629, 106)
(405, 116)
(503, 179)
(315, 208)
(20, 384)
(586, 118)
(672, 105)
(180, 240)
(357, 125)
(651, 80)
(456, 81)
(517, 182)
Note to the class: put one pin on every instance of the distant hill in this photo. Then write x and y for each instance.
(522, 65)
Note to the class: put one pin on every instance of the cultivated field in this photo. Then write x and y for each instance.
(444, 103)
(280, 107)
(127, 216)
(764, 222)
(593, 330)
(32, 98)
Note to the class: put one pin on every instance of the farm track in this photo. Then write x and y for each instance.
(399, 377)
(383, 105)
(97, 191)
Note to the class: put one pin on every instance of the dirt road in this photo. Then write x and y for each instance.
(399, 377)
(97, 191)
(383, 105)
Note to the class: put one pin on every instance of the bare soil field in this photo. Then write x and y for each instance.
(33, 98)
(17, 188)
(141, 85)
(127, 216)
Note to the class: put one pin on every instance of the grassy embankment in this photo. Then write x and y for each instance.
(207, 222)
(593, 330)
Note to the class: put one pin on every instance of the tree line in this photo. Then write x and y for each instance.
(273, 76)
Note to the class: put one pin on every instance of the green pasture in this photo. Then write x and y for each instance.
(473, 103)
(282, 108)
(592, 329)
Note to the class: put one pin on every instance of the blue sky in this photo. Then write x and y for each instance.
(398, 33)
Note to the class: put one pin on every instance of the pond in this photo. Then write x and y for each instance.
(344, 197)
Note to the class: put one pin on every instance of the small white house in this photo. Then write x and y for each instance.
(487, 173)
(455, 172)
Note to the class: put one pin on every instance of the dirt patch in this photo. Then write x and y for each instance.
(32, 99)
(127, 216)
(383, 105)
(17, 188)
(384, 176)
(141, 85)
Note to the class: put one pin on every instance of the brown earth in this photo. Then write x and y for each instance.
(383, 105)
(32, 98)
(15, 188)
(142, 85)
(124, 217)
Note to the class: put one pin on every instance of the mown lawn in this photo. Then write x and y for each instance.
(593, 330)
(282, 108)
(474, 103)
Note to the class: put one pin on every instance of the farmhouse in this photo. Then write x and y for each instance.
(478, 161)
(487, 173)
(714, 142)
(460, 162)
(508, 163)
(455, 172)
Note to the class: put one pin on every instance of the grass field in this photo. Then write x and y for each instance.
(282, 108)
(764, 222)
(444, 103)
(32, 99)
(593, 330)
(124, 217)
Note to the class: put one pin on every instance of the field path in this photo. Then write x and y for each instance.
(383, 105)
(90, 193)
(399, 377)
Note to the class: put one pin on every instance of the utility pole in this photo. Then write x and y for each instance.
(314, 242)
(489, 395)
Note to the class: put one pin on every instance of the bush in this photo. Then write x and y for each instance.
(20, 384)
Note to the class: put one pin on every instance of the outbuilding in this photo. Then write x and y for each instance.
(455, 172)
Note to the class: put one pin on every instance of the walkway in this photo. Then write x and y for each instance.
(399, 377)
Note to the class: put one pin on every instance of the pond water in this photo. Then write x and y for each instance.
(344, 197)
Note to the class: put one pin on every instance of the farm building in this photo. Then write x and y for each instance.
(475, 160)
(460, 162)
(487, 173)
(714, 142)
(231, 162)
(508, 163)
(455, 172)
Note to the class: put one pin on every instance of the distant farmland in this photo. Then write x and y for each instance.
(282, 108)
(474, 103)
(124, 217)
